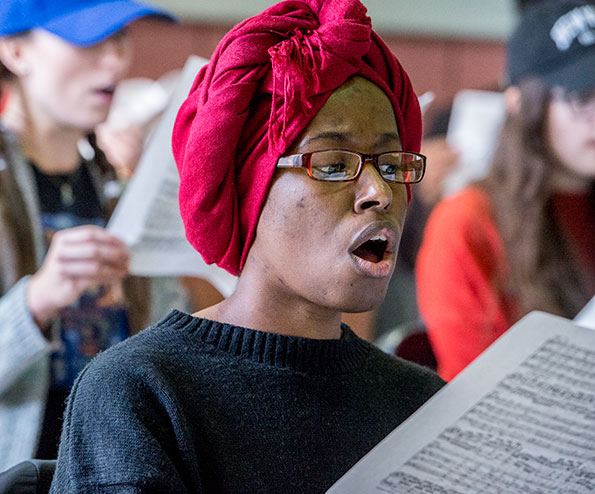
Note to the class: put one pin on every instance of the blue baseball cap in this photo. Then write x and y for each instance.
(80, 22)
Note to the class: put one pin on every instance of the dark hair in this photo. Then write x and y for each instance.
(17, 254)
(543, 276)
(5, 74)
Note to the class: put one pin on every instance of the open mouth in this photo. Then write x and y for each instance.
(372, 250)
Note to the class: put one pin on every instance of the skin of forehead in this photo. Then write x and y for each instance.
(350, 93)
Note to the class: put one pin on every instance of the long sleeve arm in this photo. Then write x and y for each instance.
(21, 341)
(461, 281)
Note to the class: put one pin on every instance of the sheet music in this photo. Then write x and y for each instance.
(520, 419)
(147, 217)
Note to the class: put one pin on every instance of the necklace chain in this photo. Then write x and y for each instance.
(64, 184)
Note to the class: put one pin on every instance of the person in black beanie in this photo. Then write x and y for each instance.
(522, 239)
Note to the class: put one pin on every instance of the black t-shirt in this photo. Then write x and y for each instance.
(71, 193)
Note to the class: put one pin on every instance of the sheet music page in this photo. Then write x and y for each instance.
(147, 217)
(586, 317)
(473, 129)
(519, 419)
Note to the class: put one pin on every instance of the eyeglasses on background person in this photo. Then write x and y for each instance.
(338, 165)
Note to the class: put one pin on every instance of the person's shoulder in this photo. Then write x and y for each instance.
(469, 204)
(401, 386)
(149, 351)
(402, 373)
(465, 217)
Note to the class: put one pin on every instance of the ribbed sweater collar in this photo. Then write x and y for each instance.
(312, 356)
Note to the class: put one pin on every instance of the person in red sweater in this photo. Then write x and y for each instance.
(523, 239)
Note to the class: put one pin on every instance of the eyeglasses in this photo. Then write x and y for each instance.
(337, 165)
(582, 104)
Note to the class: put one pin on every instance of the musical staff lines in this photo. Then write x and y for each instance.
(534, 433)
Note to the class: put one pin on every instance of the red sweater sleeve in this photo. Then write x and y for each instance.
(461, 277)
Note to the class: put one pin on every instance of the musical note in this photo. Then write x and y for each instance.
(533, 433)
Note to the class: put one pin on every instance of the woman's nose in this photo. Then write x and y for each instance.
(372, 191)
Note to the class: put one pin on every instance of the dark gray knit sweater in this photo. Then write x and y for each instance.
(196, 406)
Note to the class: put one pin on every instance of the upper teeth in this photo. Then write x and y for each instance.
(381, 238)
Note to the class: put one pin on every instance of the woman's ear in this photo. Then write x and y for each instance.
(512, 99)
(12, 55)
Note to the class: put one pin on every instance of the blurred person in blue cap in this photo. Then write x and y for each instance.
(65, 294)
(524, 238)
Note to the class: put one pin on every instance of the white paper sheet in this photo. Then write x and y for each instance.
(425, 100)
(148, 218)
(586, 317)
(473, 129)
(519, 419)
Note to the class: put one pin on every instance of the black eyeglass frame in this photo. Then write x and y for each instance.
(303, 160)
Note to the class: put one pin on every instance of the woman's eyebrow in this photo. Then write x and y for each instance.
(345, 137)
(340, 137)
(387, 138)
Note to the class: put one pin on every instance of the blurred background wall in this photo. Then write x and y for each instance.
(445, 45)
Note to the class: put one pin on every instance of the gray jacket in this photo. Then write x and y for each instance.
(24, 371)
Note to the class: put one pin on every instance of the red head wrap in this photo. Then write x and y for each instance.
(266, 81)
